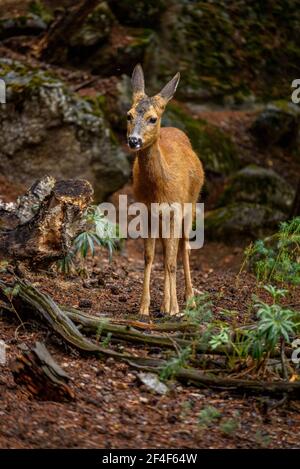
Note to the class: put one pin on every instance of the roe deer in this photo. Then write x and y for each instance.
(166, 170)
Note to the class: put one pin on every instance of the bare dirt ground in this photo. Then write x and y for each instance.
(112, 409)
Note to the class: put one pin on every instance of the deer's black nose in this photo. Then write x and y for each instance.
(134, 142)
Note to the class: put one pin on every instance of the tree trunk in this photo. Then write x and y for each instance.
(53, 46)
(41, 225)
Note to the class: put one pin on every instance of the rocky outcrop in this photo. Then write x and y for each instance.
(22, 26)
(47, 130)
(241, 220)
(254, 201)
(95, 30)
(254, 184)
(278, 124)
(142, 12)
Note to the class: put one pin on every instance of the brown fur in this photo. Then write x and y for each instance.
(166, 169)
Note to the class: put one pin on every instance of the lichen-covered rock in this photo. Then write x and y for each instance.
(125, 48)
(241, 220)
(228, 48)
(117, 102)
(213, 146)
(139, 12)
(277, 125)
(258, 185)
(44, 9)
(96, 28)
(45, 129)
(30, 24)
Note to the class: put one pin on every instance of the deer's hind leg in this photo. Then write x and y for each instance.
(185, 250)
(170, 303)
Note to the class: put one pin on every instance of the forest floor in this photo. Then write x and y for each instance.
(112, 409)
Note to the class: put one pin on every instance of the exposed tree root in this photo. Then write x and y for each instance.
(23, 296)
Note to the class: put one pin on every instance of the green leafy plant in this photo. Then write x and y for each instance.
(105, 342)
(229, 427)
(275, 324)
(275, 292)
(208, 415)
(211, 333)
(199, 309)
(277, 258)
(175, 363)
(262, 439)
(222, 338)
(97, 231)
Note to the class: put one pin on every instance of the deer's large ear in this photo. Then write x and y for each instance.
(168, 91)
(137, 81)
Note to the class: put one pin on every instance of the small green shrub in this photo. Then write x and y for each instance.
(275, 323)
(199, 309)
(208, 415)
(229, 427)
(97, 231)
(277, 258)
(175, 363)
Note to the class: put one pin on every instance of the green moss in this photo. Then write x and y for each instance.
(95, 29)
(138, 12)
(39, 9)
(234, 47)
(240, 220)
(21, 81)
(255, 184)
(213, 146)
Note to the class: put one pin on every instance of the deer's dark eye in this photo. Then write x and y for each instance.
(152, 120)
(129, 117)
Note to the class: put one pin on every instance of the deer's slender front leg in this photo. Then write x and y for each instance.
(165, 307)
(171, 249)
(149, 246)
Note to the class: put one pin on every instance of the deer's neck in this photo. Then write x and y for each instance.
(152, 163)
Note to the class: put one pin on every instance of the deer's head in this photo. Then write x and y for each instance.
(144, 117)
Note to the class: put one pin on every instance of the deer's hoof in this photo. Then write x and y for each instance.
(190, 302)
(174, 311)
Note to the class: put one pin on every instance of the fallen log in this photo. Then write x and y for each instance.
(41, 225)
(126, 332)
(41, 376)
(58, 320)
(199, 378)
